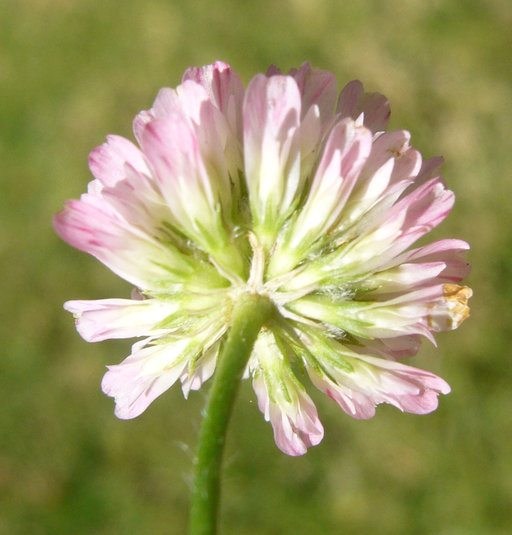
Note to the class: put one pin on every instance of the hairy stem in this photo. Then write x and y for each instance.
(250, 313)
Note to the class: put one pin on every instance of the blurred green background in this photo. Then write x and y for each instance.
(72, 71)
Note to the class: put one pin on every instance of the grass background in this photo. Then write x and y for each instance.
(72, 71)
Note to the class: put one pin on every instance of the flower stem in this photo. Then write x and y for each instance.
(250, 313)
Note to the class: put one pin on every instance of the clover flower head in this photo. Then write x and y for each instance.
(286, 190)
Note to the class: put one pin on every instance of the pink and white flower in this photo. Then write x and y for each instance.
(286, 190)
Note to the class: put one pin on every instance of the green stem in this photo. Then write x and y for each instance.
(250, 313)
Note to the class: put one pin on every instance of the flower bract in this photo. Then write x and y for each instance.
(285, 189)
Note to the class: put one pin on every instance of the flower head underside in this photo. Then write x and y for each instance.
(283, 189)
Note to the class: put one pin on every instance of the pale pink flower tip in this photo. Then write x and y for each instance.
(288, 189)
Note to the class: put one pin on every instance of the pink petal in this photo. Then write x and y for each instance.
(403, 278)
(354, 403)
(374, 381)
(429, 170)
(388, 171)
(395, 144)
(133, 388)
(220, 81)
(211, 132)
(398, 227)
(118, 318)
(424, 209)
(144, 210)
(172, 148)
(318, 96)
(140, 122)
(449, 251)
(317, 88)
(225, 90)
(399, 347)
(271, 112)
(195, 104)
(203, 370)
(353, 101)
(413, 389)
(166, 102)
(107, 162)
(134, 393)
(344, 155)
(371, 196)
(190, 169)
(296, 426)
(350, 96)
(91, 225)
